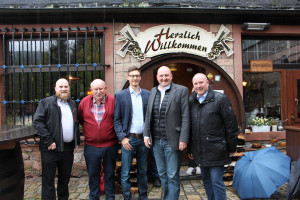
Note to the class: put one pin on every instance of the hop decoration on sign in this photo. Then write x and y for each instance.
(220, 44)
(215, 50)
(135, 50)
(131, 44)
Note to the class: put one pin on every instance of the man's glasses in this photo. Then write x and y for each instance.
(134, 76)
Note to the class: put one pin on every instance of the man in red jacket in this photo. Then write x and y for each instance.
(96, 115)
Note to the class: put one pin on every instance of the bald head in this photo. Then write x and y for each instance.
(98, 89)
(199, 75)
(62, 89)
(97, 82)
(164, 69)
(61, 81)
(164, 76)
(200, 84)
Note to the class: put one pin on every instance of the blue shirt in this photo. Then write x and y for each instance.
(137, 122)
(200, 99)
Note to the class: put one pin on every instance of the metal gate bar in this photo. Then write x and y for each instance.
(29, 60)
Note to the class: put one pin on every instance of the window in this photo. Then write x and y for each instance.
(279, 50)
(262, 95)
(35, 59)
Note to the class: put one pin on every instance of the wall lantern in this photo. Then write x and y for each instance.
(249, 26)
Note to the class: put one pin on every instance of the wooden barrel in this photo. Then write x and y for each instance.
(12, 173)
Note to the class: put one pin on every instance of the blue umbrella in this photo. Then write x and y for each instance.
(260, 173)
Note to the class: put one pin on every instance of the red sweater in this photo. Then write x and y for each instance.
(105, 136)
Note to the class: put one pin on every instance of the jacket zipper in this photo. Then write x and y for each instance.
(74, 125)
(61, 130)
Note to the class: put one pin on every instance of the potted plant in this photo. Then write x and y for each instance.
(274, 125)
(261, 124)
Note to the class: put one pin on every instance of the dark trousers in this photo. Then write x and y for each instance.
(192, 163)
(63, 161)
(94, 157)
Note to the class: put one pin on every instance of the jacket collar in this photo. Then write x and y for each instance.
(209, 98)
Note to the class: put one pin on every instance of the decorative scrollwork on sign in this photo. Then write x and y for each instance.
(131, 44)
(220, 44)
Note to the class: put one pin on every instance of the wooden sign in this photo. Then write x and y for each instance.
(261, 66)
(175, 38)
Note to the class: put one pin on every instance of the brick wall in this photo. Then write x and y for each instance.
(32, 160)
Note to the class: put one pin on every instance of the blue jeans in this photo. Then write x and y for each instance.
(94, 156)
(168, 163)
(213, 182)
(141, 150)
(154, 171)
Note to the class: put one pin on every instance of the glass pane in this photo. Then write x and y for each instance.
(37, 52)
(262, 95)
(279, 51)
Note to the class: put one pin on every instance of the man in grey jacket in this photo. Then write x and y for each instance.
(167, 129)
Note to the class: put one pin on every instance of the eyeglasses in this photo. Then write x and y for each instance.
(134, 76)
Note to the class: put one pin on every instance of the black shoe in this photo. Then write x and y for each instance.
(156, 182)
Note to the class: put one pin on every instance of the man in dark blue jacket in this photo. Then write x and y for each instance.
(55, 121)
(129, 117)
(214, 135)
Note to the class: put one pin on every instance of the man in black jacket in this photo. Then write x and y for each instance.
(55, 121)
(214, 135)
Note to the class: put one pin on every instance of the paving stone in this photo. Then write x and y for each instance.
(183, 197)
(192, 197)
(83, 196)
(189, 190)
(73, 195)
(82, 185)
(81, 190)
(154, 195)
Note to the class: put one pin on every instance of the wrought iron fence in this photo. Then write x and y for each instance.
(35, 58)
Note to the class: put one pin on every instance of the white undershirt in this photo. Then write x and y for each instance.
(66, 121)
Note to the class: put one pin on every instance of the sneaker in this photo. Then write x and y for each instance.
(198, 170)
(189, 172)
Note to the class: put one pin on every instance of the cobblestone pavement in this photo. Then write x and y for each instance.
(190, 190)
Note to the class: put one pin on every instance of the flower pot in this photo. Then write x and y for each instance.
(260, 128)
(274, 128)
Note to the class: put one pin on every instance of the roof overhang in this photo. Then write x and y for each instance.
(147, 15)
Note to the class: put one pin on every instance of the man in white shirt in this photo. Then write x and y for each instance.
(55, 121)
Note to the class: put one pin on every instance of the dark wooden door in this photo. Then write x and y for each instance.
(293, 97)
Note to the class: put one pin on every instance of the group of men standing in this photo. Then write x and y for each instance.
(164, 120)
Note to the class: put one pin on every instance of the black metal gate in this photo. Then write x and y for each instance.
(35, 58)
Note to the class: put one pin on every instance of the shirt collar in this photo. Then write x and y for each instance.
(61, 101)
(165, 88)
(102, 102)
(132, 91)
(203, 96)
